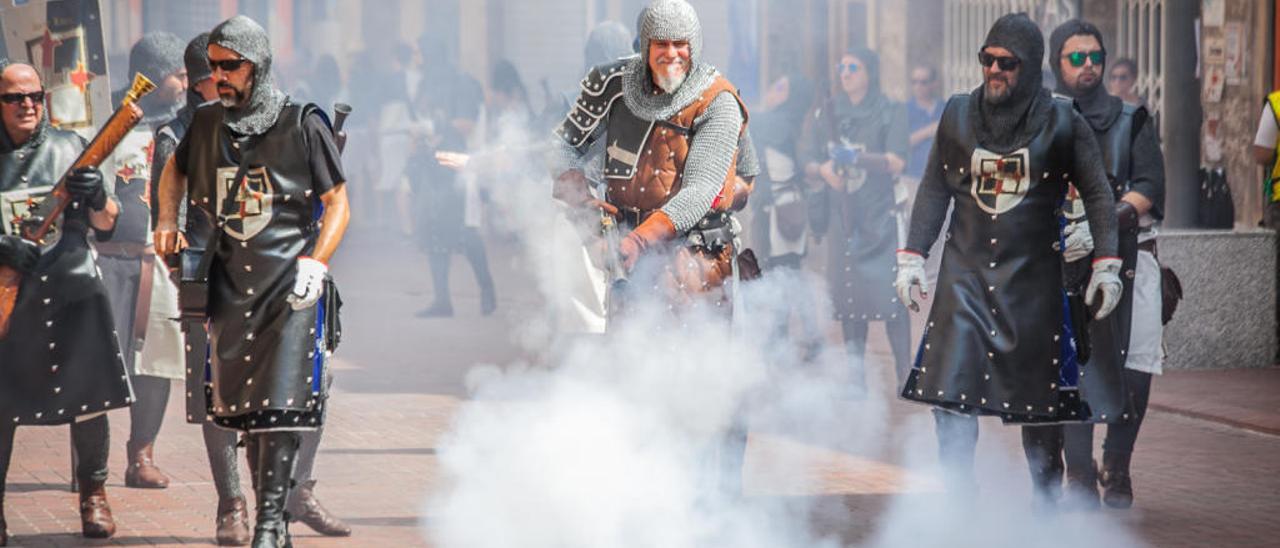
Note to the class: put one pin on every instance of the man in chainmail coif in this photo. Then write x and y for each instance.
(672, 125)
(268, 170)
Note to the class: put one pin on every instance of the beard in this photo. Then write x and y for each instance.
(996, 97)
(230, 97)
(669, 80)
(1086, 83)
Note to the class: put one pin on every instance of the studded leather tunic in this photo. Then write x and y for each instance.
(998, 340)
(61, 358)
(267, 361)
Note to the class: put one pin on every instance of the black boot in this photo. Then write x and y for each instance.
(4, 529)
(1116, 484)
(1081, 492)
(277, 452)
(1043, 448)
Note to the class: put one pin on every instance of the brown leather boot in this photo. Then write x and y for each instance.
(143, 472)
(233, 523)
(304, 507)
(95, 513)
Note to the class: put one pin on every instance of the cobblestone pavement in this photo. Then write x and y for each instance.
(1202, 478)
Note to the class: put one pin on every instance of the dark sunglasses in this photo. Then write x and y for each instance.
(1077, 58)
(851, 68)
(36, 97)
(1005, 63)
(227, 65)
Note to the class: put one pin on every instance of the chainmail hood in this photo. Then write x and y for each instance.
(245, 37)
(196, 58)
(666, 20)
(1010, 125)
(607, 42)
(155, 56)
(1099, 108)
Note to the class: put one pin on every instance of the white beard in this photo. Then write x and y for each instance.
(674, 76)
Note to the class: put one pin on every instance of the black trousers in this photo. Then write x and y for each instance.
(855, 344)
(471, 245)
(1076, 440)
(91, 438)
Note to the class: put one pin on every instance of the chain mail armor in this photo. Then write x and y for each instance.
(717, 131)
(245, 37)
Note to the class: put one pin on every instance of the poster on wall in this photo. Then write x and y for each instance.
(1233, 39)
(1215, 12)
(62, 39)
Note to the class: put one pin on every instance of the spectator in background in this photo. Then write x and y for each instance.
(865, 147)
(1122, 81)
(924, 110)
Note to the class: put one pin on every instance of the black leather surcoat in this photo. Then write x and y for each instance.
(267, 360)
(61, 358)
(998, 341)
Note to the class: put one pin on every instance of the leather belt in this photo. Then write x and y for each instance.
(131, 250)
(632, 216)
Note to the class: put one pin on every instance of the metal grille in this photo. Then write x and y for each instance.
(966, 26)
(1140, 36)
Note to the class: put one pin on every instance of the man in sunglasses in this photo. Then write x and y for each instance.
(142, 297)
(60, 362)
(268, 170)
(1131, 338)
(999, 339)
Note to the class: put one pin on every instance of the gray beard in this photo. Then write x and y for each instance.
(668, 83)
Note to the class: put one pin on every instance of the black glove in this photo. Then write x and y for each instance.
(85, 184)
(1126, 216)
(18, 254)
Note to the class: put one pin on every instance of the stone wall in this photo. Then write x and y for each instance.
(1227, 315)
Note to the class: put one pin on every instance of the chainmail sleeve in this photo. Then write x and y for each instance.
(711, 150)
(930, 209)
(1091, 181)
(748, 162)
(562, 156)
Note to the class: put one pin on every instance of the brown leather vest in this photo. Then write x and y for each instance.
(660, 165)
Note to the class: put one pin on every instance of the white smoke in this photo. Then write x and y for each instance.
(611, 441)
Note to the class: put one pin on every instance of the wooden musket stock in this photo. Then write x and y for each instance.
(122, 121)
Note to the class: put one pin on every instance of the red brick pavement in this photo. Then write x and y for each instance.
(1199, 481)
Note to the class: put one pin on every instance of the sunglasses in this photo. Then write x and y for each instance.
(921, 82)
(851, 68)
(227, 65)
(1120, 77)
(36, 97)
(1077, 58)
(1005, 63)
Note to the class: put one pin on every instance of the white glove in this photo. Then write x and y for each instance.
(309, 283)
(1105, 280)
(1079, 241)
(911, 272)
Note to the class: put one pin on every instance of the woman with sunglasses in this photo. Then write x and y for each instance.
(862, 149)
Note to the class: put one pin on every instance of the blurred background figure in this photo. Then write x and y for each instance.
(865, 137)
(1122, 81)
(780, 215)
(446, 202)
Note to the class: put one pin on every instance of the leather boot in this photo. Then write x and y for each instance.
(233, 522)
(1043, 448)
(143, 472)
(95, 512)
(1116, 484)
(306, 508)
(1081, 492)
(277, 452)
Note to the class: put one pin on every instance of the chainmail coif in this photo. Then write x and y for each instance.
(245, 37)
